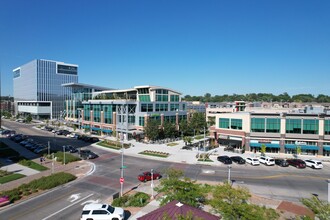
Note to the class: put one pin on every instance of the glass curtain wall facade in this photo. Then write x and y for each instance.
(41, 80)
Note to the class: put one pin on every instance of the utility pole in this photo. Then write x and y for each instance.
(152, 183)
(204, 145)
(63, 155)
(229, 181)
(328, 190)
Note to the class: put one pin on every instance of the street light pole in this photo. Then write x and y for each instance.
(63, 155)
(328, 190)
(152, 183)
(229, 167)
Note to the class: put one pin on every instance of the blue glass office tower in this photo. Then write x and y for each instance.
(38, 87)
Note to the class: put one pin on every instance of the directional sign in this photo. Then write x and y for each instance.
(121, 180)
(124, 167)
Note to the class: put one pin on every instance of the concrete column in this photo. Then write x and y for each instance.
(247, 142)
(320, 145)
(91, 116)
(114, 118)
(161, 119)
(177, 121)
(282, 143)
(82, 116)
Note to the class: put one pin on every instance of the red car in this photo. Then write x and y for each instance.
(146, 176)
(297, 163)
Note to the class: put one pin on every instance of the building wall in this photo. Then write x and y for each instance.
(41, 80)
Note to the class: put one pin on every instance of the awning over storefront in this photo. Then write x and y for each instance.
(267, 145)
(303, 147)
(290, 146)
(106, 130)
(96, 129)
(85, 126)
(326, 147)
(309, 147)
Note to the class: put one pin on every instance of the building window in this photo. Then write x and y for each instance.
(327, 126)
(141, 121)
(310, 126)
(224, 123)
(257, 125)
(174, 107)
(174, 98)
(144, 98)
(273, 125)
(161, 107)
(161, 95)
(236, 124)
(146, 107)
(293, 126)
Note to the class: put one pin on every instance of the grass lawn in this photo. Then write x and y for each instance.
(104, 144)
(172, 144)
(199, 137)
(10, 177)
(33, 165)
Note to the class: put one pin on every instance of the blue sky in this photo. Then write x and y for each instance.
(195, 47)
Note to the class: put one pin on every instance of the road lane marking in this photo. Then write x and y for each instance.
(285, 175)
(74, 197)
(42, 205)
(68, 206)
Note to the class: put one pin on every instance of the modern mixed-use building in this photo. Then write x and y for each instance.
(279, 131)
(127, 111)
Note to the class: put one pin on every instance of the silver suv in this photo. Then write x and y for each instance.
(267, 160)
(315, 164)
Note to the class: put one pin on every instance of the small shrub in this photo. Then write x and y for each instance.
(140, 199)
(121, 201)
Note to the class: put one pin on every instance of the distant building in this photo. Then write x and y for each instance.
(38, 87)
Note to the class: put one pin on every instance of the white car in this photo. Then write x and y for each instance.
(102, 212)
(315, 164)
(252, 161)
(267, 160)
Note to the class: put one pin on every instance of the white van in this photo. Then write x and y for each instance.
(102, 212)
(269, 161)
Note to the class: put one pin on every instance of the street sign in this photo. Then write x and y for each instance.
(121, 180)
(124, 167)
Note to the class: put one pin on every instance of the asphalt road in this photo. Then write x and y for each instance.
(66, 202)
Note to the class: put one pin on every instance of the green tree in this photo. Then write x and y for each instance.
(169, 129)
(263, 149)
(151, 129)
(28, 118)
(184, 127)
(320, 208)
(231, 203)
(198, 122)
(178, 187)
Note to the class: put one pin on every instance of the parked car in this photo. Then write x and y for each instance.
(101, 212)
(224, 159)
(269, 161)
(71, 149)
(229, 148)
(94, 140)
(40, 149)
(146, 176)
(87, 154)
(315, 164)
(252, 161)
(237, 159)
(296, 163)
(281, 162)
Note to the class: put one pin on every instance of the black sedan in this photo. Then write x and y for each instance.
(237, 159)
(224, 159)
(281, 162)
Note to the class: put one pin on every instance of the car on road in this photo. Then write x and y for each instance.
(269, 161)
(224, 159)
(315, 164)
(87, 154)
(297, 163)
(96, 211)
(253, 161)
(147, 176)
(237, 159)
(281, 162)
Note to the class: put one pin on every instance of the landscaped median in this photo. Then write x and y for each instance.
(155, 153)
(6, 176)
(38, 185)
(113, 144)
